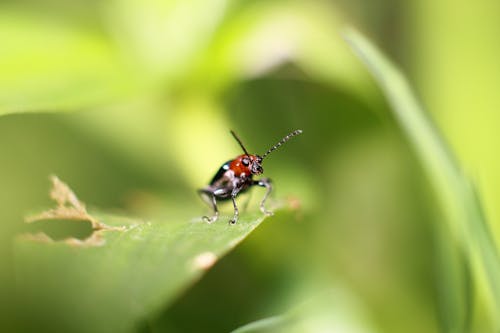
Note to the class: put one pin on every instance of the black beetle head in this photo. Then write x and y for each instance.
(256, 166)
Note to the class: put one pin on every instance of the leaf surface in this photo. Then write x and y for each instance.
(123, 273)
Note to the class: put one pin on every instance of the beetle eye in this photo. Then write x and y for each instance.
(245, 162)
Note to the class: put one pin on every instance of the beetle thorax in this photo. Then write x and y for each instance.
(246, 165)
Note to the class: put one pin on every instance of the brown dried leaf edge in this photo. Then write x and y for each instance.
(68, 208)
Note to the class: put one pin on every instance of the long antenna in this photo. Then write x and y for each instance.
(282, 141)
(239, 141)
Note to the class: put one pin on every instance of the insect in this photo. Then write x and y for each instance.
(236, 176)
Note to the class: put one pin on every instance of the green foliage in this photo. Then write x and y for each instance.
(74, 67)
(458, 197)
(121, 275)
(149, 91)
(331, 312)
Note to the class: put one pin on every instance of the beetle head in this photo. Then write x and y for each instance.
(256, 166)
(253, 163)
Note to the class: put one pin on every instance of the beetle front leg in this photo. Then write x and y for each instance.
(205, 194)
(264, 182)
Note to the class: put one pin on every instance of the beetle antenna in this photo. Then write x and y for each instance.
(282, 141)
(239, 141)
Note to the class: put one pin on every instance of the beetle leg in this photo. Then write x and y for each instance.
(236, 211)
(204, 194)
(264, 182)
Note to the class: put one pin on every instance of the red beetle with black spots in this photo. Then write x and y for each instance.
(236, 176)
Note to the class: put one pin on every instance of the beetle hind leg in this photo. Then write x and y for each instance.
(210, 199)
(264, 182)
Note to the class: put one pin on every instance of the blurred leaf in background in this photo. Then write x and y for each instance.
(155, 86)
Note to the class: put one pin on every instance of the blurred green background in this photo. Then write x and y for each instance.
(131, 103)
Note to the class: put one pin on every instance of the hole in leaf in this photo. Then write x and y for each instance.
(62, 229)
(69, 221)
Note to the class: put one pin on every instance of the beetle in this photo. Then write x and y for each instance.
(236, 176)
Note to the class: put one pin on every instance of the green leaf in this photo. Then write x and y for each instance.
(271, 324)
(332, 311)
(50, 65)
(465, 220)
(124, 272)
(261, 36)
(165, 38)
